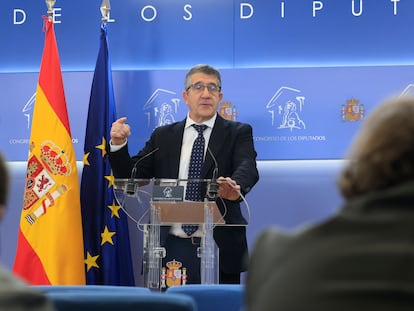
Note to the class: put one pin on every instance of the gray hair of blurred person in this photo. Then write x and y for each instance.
(202, 68)
(382, 154)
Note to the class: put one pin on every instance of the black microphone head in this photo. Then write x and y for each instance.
(130, 187)
(212, 187)
(215, 174)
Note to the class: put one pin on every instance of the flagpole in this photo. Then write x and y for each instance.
(105, 9)
(50, 4)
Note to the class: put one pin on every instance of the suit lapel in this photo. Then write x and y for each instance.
(217, 139)
(174, 142)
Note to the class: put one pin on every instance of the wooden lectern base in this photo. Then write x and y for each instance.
(186, 212)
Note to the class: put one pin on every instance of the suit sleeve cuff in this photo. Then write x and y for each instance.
(114, 148)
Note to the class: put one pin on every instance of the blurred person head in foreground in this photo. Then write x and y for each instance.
(361, 258)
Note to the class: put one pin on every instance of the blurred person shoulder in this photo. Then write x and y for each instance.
(15, 295)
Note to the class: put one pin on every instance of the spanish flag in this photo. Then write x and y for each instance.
(50, 241)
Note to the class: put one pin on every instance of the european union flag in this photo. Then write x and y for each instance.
(108, 258)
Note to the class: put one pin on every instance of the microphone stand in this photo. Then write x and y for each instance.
(130, 187)
(212, 187)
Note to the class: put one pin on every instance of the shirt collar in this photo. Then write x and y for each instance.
(189, 122)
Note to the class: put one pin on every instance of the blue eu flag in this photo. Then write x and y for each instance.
(108, 258)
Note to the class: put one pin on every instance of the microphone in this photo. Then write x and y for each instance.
(212, 187)
(130, 187)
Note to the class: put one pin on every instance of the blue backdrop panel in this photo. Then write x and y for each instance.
(178, 34)
(296, 113)
(327, 32)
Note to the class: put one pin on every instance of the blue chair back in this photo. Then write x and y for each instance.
(118, 301)
(101, 288)
(216, 297)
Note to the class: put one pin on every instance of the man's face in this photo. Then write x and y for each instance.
(201, 100)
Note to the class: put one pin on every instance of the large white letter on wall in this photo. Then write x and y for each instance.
(19, 13)
(249, 7)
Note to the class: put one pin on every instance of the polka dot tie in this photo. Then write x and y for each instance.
(193, 192)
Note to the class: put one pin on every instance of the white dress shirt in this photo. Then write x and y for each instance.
(189, 136)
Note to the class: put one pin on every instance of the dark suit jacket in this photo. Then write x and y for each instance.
(360, 259)
(231, 143)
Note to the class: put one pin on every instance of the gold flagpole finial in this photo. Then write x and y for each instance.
(105, 9)
(50, 4)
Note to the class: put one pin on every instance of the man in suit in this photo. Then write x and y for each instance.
(230, 146)
(15, 295)
(362, 258)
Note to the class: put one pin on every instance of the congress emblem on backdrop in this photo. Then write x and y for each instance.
(285, 108)
(174, 275)
(408, 91)
(161, 108)
(353, 111)
(41, 188)
(27, 110)
(227, 111)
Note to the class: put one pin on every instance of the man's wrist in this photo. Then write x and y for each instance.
(114, 148)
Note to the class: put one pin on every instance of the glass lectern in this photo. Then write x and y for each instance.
(152, 203)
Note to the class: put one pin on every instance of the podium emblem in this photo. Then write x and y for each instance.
(174, 275)
(167, 193)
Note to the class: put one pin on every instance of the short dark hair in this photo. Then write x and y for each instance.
(202, 68)
(382, 155)
(4, 181)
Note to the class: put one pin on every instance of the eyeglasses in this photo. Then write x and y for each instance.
(200, 87)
